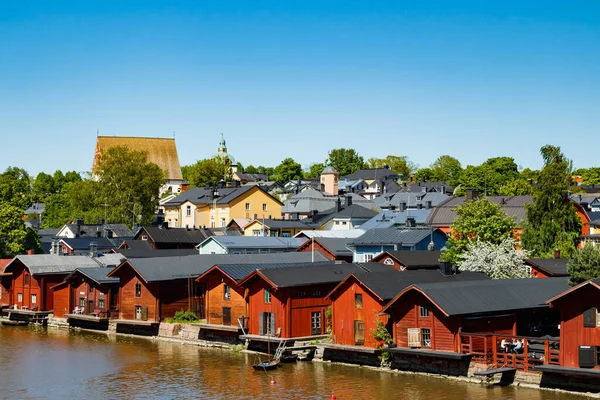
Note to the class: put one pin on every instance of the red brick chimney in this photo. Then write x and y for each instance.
(557, 253)
(30, 252)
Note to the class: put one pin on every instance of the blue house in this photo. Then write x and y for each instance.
(376, 241)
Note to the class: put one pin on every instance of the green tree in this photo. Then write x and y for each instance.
(129, 184)
(447, 169)
(424, 174)
(314, 171)
(477, 220)
(345, 161)
(251, 169)
(15, 237)
(208, 171)
(288, 170)
(584, 265)
(490, 176)
(399, 164)
(15, 187)
(552, 221)
(43, 187)
(530, 175)
(591, 176)
(517, 187)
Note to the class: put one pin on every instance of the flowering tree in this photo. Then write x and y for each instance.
(498, 261)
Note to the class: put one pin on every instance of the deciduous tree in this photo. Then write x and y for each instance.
(314, 171)
(345, 161)
(496, 260)
(15, 187)
(399, 164)
(288, 170)
(584, 265)
(447, 169)
(424, 174)
(15, 237)
(552, 220)
(208, 171)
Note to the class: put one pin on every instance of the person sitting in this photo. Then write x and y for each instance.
(504, 345)
(518, 346)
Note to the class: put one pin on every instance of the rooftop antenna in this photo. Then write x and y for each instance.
(173, 134)
(97, 132)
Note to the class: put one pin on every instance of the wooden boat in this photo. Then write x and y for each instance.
(289, 358)
(6, 321)
(266, 365)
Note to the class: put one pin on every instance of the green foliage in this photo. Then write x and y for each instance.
(516, 187)
(591, 176)
(237, 348)
(447, 169)
(207, 171)
(314, 171)
(425, 174)
(490, 176)
(288, 170)
(384, 356)
(345, 161)
(381, 334)
(399, 164)
(183, 317)
(15, 237)
(552, 220)
(328, 315)
(15, 187)
(529, 174)
(584, 265)
(478, 219)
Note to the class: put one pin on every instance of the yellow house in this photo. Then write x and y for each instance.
(275, 227)
(216, 207)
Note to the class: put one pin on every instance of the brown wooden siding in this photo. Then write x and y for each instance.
(214, 284)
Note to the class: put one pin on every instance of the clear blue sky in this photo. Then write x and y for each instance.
(295, 79)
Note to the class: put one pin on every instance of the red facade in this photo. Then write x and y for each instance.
(307, 247)
(26, 291)
(87, 294)
(223, 298)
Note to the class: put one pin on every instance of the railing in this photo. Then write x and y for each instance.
(487, 349)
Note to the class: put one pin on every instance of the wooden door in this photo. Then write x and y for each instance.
(315, 323)
(226, 315)
(138, 312)
(359, 333)
(90, 307)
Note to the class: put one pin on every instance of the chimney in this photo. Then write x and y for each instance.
(472, 194)
(410, 222)
(295, 216)
(556, 253)
(348, 201)
(423, 179)
(403, 206)
(102, 221)
(221, 184)
(313, 215)
(79, 223)
(428, 204)
(446, 268)
(30, 252)
(93, 250)
(419, 206)
(338, 204)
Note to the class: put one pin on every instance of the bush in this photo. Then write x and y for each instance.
(183, 317)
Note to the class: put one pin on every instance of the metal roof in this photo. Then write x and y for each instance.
(329, 170)
(556, 266)
(98, 275)
(150, 252)
(173, 235)
(309, 274)
(478, 297)
(240, 271)
(342, 233)
(374, 173)
(170, 268)
(337, 246)
(204, 195)
(39, 264)
(255, 242)
(389, 218)
(396, 235)
(514, 206)
(83, 243)
(415, 258)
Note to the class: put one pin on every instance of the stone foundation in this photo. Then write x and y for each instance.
(580, 384)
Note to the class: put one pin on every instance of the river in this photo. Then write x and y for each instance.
(40, 363)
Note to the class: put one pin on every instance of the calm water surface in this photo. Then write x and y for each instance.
(36, 363)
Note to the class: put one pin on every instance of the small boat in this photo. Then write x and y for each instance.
(266, 365)
(6, 321)
(289, 358)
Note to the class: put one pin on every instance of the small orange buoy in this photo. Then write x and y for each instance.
(272, 381)
(332, 397)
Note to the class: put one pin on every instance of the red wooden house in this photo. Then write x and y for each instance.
(291, 302)
(410, 260)
(333, 248)
(358, 299)
(439, 316)
(579, 309)
(547, 267)
(4, 300)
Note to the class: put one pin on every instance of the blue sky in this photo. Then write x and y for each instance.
(295, 79)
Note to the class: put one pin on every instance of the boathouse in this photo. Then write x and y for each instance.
(333, 248)
(547, 267)
(410, 260)
(357, 300)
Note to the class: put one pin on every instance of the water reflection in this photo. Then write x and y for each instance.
(38, 364)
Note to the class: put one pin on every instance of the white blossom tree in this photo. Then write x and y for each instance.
(498, 261)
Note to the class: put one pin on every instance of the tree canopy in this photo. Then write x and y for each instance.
(490, 177)
(399, 164)
(288, 170)
(496, 260)
(15, 187)
(584, 265)
(552, 221)
(345, 161)
(447, 169)
(314, 170)
(478, 219)
(15, 237)
(208, 171)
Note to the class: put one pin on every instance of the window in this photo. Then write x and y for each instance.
(286, 234)
(82, 302)
(267, 295)
(34, 299)
(19, 297)
(300, 294)
(256, 232)
(27, 279)
(101, 304)
(247, 206)
(598, 355)
(315, 322)
(226, 292)
(426, 337)
(273, 233)
(90, 288)
(188, 211)
(337, 222)
(367, 257)
(316, 293)
(144, 237)
(388, 261)
(223, 224)
(264, 206)
(344, 222)
(138, 290)
(589, 318)
(424, 311)
(358, 300)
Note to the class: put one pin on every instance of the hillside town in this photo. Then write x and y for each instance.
(486, 271)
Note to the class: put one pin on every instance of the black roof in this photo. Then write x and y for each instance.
(416, 258)
(352, 211)
(555, 266)
(83, 243)
(374, 173)
(169, 268)
(336, 245)
(309, 274)
(98, 275)
(149, 253)
(173, 235)
(204, 195)
(240, 271)
(394, 235)
(387, 284)
(491, 296)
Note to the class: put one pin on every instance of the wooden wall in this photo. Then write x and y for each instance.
(214, 283)
(345, 312)
(174, 296)
(256, 305)
(127, 299)
(572, 332)
(62, 300)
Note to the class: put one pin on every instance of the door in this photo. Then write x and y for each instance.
(267, 323)
(226, 315)
(90, 307)
(199, 301)
(359, 333)
(138, 312)
(315, 323)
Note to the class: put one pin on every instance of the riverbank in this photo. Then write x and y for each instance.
(188, 335)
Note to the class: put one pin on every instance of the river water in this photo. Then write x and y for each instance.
(40, 363)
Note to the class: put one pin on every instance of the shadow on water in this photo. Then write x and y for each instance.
(45, 363)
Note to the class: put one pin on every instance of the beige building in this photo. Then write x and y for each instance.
(329, 181)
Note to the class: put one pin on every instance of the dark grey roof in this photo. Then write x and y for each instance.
(244, 176)
(255, 242)
(354, 211)
(329, 170)
(375, 173)
(387, 284)
(389, 218)
(83, 243)
(336, 245)
(417, 258)
(444, 215)
(173, 235)
(240, 271)
(91, 230)
(283, 224)
(35, 208)
(39, 264)
(120, 230)
(169, 268)
(48, 231)
(150, 252)
(204, 195)
(440, 187)
(556, 266)
(477, 297)
(96, 274)
(309, 274)
(395, 235)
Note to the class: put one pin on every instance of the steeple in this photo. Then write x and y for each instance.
(222, 146)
